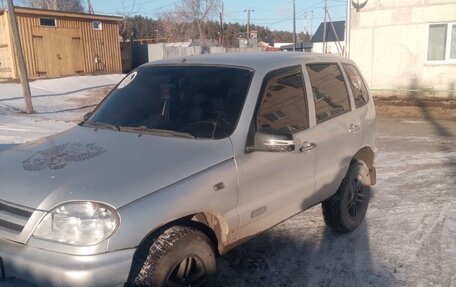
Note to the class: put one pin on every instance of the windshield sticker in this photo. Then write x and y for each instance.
(58, 157)
(127, 80)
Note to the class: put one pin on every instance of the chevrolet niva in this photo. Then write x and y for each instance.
(184, 159)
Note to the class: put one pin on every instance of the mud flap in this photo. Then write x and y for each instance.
(373, 175)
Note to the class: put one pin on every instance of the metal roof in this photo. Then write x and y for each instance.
(56, 13)
(339, 26)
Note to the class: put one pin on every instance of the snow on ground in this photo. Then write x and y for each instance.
(407, 239)
(55, 102)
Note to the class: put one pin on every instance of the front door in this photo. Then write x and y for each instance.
(275, 185)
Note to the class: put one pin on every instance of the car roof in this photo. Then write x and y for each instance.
(254, 60)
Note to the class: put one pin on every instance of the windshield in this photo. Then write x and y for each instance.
(201, 101)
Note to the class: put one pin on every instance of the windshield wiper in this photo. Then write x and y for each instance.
(143, 129)
(102, 125)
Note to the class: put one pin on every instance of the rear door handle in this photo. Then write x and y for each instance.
(307, 147)
(353, 128)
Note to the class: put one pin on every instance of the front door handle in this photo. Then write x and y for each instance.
(307, 147)
(353, 128)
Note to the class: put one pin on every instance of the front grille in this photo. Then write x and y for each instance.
(13, 218)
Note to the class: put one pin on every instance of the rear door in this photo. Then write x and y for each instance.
(338, 127)
(364, 106)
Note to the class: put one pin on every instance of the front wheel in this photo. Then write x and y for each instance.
(345, 210)
(179, 257)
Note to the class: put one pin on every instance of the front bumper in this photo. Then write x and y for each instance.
(29, 266)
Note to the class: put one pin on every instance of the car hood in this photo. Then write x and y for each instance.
(101, 165)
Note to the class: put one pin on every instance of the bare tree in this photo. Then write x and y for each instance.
(174, 28)
(196, 12)
(62, 5)
(128, 29)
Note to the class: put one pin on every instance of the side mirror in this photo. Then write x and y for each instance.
(266, 139)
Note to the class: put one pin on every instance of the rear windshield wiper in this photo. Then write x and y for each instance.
(143, 129)
(102, 125)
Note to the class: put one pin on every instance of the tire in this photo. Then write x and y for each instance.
(344, 211)
(180, 256)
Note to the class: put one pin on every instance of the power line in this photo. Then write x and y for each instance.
(138, 4)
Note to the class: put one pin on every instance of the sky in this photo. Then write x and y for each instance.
(275, 14)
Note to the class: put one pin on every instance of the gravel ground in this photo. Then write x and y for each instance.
(408, 238)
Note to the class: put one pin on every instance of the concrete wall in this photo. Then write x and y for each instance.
(388, 41)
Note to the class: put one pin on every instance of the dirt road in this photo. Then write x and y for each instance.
(408, 238)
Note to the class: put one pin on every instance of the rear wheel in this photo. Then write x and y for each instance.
(345, 210)
(179, 257)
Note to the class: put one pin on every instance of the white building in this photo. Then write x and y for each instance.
(335, 38)
(405, 47)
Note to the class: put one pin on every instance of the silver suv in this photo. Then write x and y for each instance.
(183, 160)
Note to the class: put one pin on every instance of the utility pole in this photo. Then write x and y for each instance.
(294, 26)
(20, 58)
(248, 21)
(311, 20)
(90, 7)
(324, 28)
(221, 37)
(347, 31)
(305, 22)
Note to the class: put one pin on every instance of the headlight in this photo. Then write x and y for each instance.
(79, 223)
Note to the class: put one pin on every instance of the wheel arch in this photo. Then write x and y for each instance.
(212, 225)
(208, 223)
(367, 155)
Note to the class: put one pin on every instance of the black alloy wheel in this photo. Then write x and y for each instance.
(346, 209)
(190, 272)
(357, 196)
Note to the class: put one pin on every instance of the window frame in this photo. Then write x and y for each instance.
(235, 124)
(351, 101)
(352, 96)
(98, 22)
(48, 18)
(447, 59)
(276, 74)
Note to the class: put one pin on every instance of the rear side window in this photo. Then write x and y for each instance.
(359, 90)
(329, 91)
(284, 107)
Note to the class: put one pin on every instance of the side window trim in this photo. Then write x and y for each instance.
(277, 74)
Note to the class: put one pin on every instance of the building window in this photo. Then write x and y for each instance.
(49, 22)
(275, 116)
(97, 25)
(442, 42)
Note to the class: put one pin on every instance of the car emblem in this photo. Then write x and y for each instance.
(58, 157)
